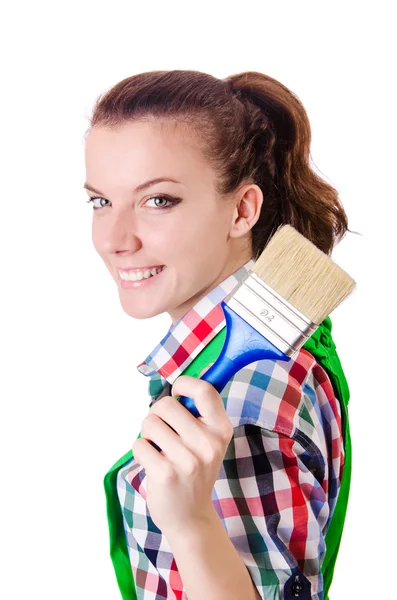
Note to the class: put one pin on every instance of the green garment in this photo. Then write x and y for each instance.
(322, 347)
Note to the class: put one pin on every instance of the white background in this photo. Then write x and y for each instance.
(72, 400)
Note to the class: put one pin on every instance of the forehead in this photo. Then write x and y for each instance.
(142, 150)
(131, 140)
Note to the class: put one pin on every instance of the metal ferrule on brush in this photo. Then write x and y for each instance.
(270, 314)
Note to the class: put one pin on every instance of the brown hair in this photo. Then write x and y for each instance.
(251, 129)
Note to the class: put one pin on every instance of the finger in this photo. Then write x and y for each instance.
(193, 434)
(147, 456)
(205, 396)
(158, 431)
(176, 416)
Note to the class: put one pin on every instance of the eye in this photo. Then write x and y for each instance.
(92, 200)
(172, 201)
(169, 199)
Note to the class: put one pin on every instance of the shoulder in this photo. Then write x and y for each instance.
(294, 398)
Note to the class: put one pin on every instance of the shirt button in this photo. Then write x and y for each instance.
(297, 588)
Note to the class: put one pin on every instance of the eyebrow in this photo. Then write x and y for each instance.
(141, 187)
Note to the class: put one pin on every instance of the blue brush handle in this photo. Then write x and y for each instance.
(243, 345)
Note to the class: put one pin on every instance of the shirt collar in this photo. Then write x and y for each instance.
(188, 337)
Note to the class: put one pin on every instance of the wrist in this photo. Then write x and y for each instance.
(193, 528)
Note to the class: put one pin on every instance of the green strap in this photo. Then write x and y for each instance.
(118, 544)
(322, 347)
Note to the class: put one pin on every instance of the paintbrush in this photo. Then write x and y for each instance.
(277, 307)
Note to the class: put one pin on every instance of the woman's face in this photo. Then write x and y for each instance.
(200, 238)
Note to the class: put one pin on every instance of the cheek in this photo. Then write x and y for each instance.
(202, 226)
(199, 239)
(173, 236)
(160, 240)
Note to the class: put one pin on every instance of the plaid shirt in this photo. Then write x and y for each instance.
(280, 476)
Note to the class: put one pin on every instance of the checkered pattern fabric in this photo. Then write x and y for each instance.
(280, 476)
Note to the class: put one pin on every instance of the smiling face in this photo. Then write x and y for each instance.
(199, 237)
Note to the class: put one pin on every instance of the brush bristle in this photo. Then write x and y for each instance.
(302, 274)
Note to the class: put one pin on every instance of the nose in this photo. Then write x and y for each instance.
(120, 235)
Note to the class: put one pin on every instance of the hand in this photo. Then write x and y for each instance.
(180, 478)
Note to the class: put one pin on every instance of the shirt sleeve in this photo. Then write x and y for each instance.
(276, 510)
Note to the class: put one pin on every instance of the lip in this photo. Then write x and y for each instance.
(128, 269)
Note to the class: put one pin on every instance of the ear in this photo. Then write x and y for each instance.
(247, 210)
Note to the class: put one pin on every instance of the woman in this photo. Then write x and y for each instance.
(189, 177)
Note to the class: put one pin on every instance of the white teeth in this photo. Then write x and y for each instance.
(138, 275)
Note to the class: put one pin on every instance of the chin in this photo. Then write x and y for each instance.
(141, 312)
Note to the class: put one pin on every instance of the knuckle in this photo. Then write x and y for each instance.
(209, 387)
(167, 400)
(167, 474)
(136, 446)
(204, 387)
(191, 464)
(228, 431)
(208, 449)
(223, 439)
(211, 457)
(148, 422)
